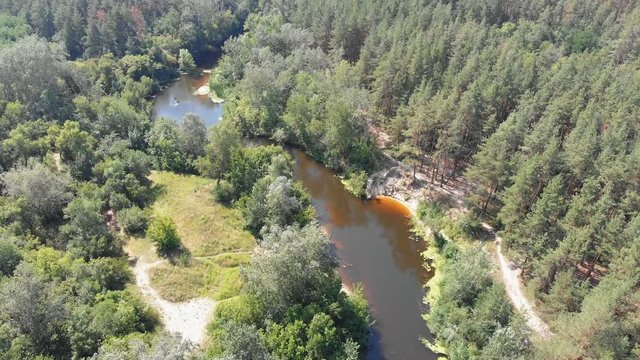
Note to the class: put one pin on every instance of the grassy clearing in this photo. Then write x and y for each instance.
(205, 227)
(211, 233)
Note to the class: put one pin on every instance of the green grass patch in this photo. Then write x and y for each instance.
(178, 283)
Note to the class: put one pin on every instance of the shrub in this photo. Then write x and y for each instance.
(356, 183)
(224, 192)
(118, 201)
(133, 220)
(470, 225)
(9, 257)
(164, 234)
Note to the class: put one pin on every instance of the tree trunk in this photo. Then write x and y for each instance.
(488, 200)
(593, 265)
(434, 174)
(453, 171)
(414, 172)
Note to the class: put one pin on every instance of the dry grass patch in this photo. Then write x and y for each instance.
(203, 277)
(212, 234)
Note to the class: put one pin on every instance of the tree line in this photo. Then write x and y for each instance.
(534, 102)
(77, 144)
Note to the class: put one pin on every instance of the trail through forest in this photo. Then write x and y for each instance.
(189, 319)
(511, 280)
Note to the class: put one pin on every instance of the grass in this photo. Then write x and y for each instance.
(213, 235)
(206, 228)
(203, 277)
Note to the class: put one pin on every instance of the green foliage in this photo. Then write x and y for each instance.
(86, 233)
(193, 136)
(290, 309)
(431, 215)
(276, 201)
(471, 315)
(44, 191)
(224, 193)
(165, 147)
(10, 257)
(250, 164)
(185, 61)
(279, 276)
(356, 183)
(47, 89)
(12, 29)
(243, 342)
(162, 231)
(133, 220)
(74, 143)
(136, 346)
(581, 40)
(224, 139)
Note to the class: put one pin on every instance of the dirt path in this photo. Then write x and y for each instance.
(189, 319)
(511, 280)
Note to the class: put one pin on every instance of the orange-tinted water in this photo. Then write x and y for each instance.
(376, 249)
(372, 238)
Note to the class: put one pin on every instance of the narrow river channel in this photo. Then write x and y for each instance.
(372, 238)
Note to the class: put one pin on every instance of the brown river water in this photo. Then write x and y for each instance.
(372, 239)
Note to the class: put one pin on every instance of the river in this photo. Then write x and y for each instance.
(178, 99)
(372, 238)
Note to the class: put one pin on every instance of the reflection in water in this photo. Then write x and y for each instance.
(178, 99)
(375, 246)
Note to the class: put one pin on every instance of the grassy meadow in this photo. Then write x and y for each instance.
(213, 237)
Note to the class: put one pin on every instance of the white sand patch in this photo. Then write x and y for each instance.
(189, 319)
(202, 90)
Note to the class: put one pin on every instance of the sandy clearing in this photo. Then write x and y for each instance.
(189, 319)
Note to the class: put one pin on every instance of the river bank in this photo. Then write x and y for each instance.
(410, 187)
(377, 249)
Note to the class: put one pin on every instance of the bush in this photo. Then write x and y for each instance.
(356, 183)
(164, 234)
(118, 201)
(133, 220)
(470, 225)
(224, 192)
(9, 257)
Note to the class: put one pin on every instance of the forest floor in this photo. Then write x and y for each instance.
(186, 289)
(411, 186)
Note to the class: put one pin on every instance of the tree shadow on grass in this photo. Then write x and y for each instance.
(180, 256)
(155, 192)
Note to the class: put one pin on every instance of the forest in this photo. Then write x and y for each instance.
(532, 105)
